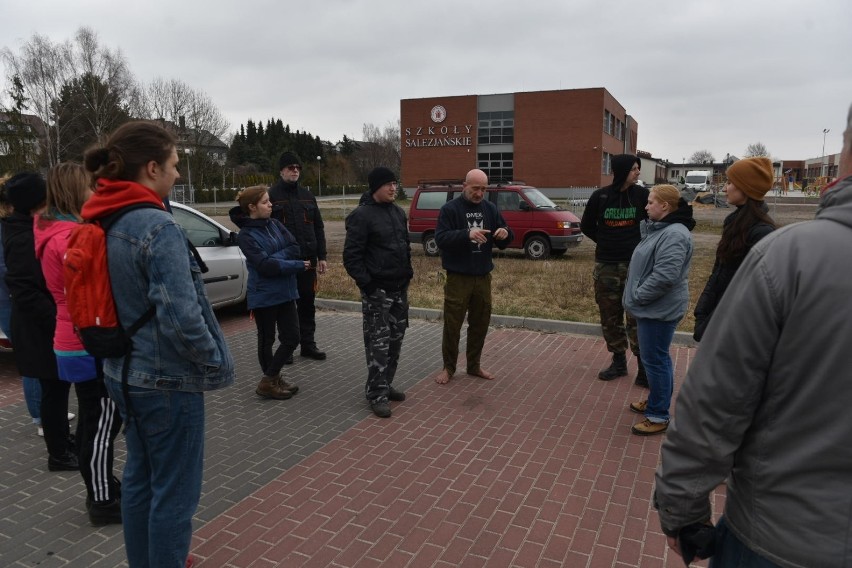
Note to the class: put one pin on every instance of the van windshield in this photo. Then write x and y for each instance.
(538, 199)
(696, 179)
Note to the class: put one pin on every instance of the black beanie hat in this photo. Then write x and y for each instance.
(379, 177)
(288, 158)
(25, 191)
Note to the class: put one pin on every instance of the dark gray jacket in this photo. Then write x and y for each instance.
(765, 404)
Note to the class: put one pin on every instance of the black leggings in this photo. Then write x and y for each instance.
(285, 319)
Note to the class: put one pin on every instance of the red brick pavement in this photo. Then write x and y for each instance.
(535, 469)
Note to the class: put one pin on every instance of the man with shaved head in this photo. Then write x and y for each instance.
(467, 230)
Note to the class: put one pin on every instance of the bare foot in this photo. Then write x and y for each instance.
(482, 373)
(443, 377)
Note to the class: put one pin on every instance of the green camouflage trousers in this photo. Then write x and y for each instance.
(618, 326)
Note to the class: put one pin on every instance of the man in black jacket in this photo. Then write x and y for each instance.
(466, 231)
(611, 219)
(377, 255)
(297, 208)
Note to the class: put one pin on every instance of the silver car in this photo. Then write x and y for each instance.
(226, 279)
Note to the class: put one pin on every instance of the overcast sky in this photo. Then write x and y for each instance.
(714, 75)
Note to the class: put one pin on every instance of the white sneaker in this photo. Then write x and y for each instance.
(71, 416)
(40, 431)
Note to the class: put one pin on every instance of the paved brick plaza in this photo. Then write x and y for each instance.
(537, 468)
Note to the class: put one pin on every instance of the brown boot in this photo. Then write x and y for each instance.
(284, 385)
(268, 387)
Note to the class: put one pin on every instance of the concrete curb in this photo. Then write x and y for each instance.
(534, 324)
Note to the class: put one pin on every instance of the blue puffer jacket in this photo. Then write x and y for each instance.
(273, 259)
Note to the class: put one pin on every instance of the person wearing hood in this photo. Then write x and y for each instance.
(764, 407)
(377, 255)
(177, 354)
(657, 294)
(33, 317)
(296, 207)
(68, 188)
(748, 182)
(611, 219)
(273, 260)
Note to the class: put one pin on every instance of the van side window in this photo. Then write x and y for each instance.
(432, 200)
(508, 201)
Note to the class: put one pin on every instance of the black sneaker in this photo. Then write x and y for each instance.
(313, 353)
(104, 513)
(289, 360)
(67, 462)
(380, 407)
(395, 395)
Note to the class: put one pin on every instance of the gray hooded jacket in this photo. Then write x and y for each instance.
(766, 401)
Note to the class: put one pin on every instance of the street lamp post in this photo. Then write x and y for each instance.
(822, 162)
(319, 175)
(189, 175)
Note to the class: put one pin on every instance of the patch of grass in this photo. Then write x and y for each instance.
(560, 288)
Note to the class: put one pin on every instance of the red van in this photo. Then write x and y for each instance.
(542, 229)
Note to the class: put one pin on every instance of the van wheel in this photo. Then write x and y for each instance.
(537, 248)
(430, 246)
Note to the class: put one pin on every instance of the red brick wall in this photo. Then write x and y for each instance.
(447, 162)
(559, 137)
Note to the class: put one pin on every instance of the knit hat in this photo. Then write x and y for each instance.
(25, 191)
(752, 176)
(288, 158)
(379, 177)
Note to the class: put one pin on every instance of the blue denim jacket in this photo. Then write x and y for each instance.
(182, 347)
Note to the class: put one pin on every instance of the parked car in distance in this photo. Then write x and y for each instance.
(226, 279)
(542, 228)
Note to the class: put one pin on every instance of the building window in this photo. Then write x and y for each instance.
(498, 166)
(497, 127)
(607, 122)
(619, 129)
(606, 164)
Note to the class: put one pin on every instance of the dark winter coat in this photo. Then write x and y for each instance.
(296, 207)
(722, 275)
(452, 233)
(377, 252)
(273, 259)
(33, 320)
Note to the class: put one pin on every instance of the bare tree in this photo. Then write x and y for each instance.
(756, 149)
(44, 68)
(104, 90)
(702, 157)
(381, 147)
(199, 123)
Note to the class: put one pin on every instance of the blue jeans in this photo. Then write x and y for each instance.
(732, 553)
(32, 394)
(655, 340)
(161, 486)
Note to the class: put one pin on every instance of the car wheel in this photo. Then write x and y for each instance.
(430, 245)
(537, 248)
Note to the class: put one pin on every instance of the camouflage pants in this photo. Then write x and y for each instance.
(385, 320)
(619, 327)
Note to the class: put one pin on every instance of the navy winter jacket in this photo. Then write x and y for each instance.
(272, 259)
(452, 233)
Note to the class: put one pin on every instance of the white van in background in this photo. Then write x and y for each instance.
(698, 181)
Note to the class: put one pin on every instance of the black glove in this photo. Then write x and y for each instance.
(371, 287)
(697, 540)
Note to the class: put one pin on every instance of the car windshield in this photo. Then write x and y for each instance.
(539, 200)
(696, 179)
